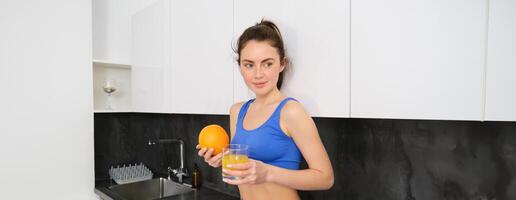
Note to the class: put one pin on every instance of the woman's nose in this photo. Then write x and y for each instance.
(258, 72)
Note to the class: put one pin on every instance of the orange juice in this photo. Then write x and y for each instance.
(233, 154)
(232, 159)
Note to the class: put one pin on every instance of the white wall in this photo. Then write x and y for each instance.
(46, 106)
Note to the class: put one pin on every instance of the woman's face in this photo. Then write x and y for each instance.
(260, 66)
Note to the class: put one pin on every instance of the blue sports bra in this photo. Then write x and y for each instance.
(268, 143)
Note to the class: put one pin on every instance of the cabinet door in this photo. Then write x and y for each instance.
(112, 31)
(501, 61)
(418, 59)
(316, 37)
(201, 75)
(149, 39)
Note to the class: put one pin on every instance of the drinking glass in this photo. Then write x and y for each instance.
(109, 87)
(233, 154)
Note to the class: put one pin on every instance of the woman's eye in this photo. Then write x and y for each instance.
(268, 64)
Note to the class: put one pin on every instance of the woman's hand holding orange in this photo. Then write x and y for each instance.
(253, 172)
(212, 160)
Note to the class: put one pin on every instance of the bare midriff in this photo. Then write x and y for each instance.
(267, 191)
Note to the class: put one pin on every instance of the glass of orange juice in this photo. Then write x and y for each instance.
(234, 154)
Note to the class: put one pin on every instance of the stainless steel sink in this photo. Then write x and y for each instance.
(150, 189)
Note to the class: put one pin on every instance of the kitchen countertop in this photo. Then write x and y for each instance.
(203, 193)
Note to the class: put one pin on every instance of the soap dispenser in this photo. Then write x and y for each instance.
(196, 177)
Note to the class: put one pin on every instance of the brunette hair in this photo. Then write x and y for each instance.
(264, 31)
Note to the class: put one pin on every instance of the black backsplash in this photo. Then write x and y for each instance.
(372, 159)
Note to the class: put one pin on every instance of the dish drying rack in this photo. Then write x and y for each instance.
(130, 174)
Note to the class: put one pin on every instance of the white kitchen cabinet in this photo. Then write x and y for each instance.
(501, 62)
(150, 59)
(316, 36)
(112, 39)
(200, 79)
(418, 59)
(111, 31)
(182, 57)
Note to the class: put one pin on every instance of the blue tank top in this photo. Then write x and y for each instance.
(268, 143)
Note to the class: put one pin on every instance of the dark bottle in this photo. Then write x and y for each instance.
(196, 177)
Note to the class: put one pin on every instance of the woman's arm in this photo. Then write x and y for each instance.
(318, 176)
(302, 129)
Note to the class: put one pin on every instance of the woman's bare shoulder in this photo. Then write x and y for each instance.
(236, 107)
(293, 110)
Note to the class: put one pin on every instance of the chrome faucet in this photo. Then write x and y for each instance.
(178, 172)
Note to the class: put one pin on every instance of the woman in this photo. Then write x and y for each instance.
(277, 128)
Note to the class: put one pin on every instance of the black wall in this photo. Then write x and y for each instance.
(372, 158)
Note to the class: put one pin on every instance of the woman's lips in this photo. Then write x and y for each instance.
(259, 85)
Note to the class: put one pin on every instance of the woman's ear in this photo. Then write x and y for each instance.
(284, 64)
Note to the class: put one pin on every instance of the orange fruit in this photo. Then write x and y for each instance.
(213, 136)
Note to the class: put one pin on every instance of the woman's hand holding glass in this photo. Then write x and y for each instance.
(212, 160)
(252, 172)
